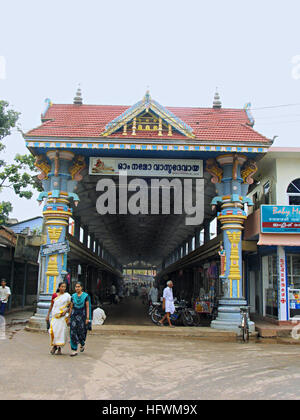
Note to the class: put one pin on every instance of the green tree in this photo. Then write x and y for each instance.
(18, 175)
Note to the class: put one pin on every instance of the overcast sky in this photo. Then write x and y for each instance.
(181, 49)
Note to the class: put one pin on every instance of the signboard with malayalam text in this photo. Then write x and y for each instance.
(147, 167)
(55, 248)
(280, 219)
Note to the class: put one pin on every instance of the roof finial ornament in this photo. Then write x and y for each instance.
(147, 96)
(217, 104)
(78, 98)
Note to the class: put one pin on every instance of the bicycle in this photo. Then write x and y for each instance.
(244, 311)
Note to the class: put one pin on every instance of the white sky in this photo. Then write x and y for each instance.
(182, 49)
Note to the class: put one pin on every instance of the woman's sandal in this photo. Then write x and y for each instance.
(59, 351)
(81, 348)
(53, 350)
(74, 354)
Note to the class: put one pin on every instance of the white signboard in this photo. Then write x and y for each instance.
(147, 167)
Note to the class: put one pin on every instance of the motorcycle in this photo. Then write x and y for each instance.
(183, 315)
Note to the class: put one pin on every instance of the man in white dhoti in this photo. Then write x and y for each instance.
(98, 316)
(168, 304)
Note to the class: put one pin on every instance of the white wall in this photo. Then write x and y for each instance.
(280, 171)
(287, 171)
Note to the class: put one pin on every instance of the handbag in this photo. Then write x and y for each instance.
(89, 326)
(48, 325)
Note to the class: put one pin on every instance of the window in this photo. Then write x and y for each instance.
(81, 234)
(267, 191)
(71, 227)
(255, 201)
(293, 270)
(293, 192)
(213, 228)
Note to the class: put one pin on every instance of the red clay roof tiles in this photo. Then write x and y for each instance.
(89, 121)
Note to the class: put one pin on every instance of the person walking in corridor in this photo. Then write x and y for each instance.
(80, 310)
(4, 295)
(113, 292)
(168, 304)
(153, 294)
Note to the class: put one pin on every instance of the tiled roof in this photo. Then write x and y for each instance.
(34, 223)
(89, 121)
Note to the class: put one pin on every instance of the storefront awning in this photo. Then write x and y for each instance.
(283, 239)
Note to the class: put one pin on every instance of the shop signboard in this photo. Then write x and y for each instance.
(187, 168)
(294, 302)
(55, 248)
(282, 285)
(280, 219)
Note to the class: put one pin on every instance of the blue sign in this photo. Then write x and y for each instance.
(280, 219)
(55, 248)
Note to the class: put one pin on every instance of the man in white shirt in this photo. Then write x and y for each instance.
(168, 304)
(4, 295)
(153, 294)
(98, 316)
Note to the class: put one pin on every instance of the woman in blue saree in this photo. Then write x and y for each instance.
(80, 310)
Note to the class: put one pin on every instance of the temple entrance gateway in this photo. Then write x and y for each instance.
(139, 184)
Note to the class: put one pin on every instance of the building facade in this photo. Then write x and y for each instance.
(273, 272)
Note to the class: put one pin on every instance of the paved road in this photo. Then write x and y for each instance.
(148, 368)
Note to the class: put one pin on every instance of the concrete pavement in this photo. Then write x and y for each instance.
(148, 368)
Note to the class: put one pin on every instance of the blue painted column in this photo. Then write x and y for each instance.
(232, 176)
(60, 172)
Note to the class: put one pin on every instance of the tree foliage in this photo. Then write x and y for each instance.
(18, 175)
(8, 120)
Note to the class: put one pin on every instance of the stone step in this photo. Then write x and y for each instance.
(200, 333)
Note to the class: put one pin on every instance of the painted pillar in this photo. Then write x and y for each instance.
(231, 174)
(60, 172)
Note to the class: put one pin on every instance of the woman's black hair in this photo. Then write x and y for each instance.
(62, 282)
(80, 284)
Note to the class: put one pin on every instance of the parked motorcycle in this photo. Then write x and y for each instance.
(183, 315)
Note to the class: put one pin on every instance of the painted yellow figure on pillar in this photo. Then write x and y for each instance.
(234, 270)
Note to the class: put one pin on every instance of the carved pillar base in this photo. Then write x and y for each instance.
(229, 317)
(38, 320)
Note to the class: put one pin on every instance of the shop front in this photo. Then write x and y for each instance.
(197, 277)
(279, 250)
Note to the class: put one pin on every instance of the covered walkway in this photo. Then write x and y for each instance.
(130, 311)
(142, 185)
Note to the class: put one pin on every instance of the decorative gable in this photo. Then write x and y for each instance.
(149, 116)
